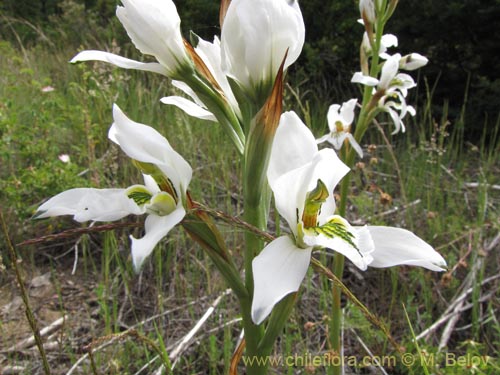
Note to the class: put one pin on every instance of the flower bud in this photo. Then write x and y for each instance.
(413, 61)
(367, 10)
(256, 35)
(154, 27)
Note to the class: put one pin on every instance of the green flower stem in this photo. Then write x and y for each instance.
(368, 112)
(254, 215)
(221, 109)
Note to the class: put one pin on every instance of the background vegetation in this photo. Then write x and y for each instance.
(440, 179)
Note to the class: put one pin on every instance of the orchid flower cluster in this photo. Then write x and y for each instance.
(237, 81)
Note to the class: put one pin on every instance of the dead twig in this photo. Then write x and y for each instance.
(30, 341)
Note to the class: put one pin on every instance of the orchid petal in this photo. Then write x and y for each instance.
(389, 71)
(192, 109)
(145, 144)
(293, 146)
(347, 111)
(277, 271)
(396, 246)
(119, 61)
(359, 77)
(154, 28)
(389, 40)
(360, 256)
(90, 204)
(156, 228)
(355, 145)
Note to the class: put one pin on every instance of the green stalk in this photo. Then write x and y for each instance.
(365, 117)
(254, 214)
(221, 110)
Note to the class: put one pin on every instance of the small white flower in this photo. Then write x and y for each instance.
(164, 205)
(339, 123)
(393, 88)
(47, 89)
(64, 158)
(303, 179)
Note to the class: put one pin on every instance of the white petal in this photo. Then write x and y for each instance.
(145, 144)
(210, 53)
(361, 257)
(151, 184)
(256, 35)
(154, 28)
(188, 91)
(324, 138)
(355, 145)
(277, 271)
(358, 77)
(156, 228)
(90, 204)
(293, 146)
(389, 71)
(119, 61)
(396, 246)
(192, 109)
(389, 40)
(337, 140)
(347, 111)
(290, 190)
(333, 116)
(413, 61)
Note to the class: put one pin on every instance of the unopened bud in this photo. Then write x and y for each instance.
(413, 61)
(367, 10)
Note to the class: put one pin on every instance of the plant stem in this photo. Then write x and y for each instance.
(24, 294)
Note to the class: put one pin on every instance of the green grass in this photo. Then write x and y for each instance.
(426, 175)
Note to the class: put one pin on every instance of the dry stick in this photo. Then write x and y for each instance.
(30, 341)
(77, 232)
(369, 352)
(450, 326)
(126, 332)
(388, 212)
(171, 346)
(24, 295)
(477, 184)
(130, 332)
(13, 370)
(186, 340)
(448, 329)
(449, 312)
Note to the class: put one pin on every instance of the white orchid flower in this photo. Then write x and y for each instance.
(154, 28)
(303, 179)
(210, 53)
(255, 37)
(393, 88)
(387, 41)
(161, 196)
(339, 123)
